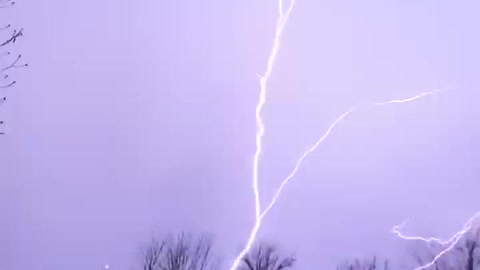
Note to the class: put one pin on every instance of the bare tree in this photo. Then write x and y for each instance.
(152, 254)
(464, 256)
(468, 250)
(367, 264)
(182, 252)
(6, 56)
(267, 257)
(423, 255)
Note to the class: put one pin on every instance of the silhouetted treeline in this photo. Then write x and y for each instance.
(189, 252)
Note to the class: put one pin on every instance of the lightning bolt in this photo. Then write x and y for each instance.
(449, 243)
(263, 80)
(320, 141)
(281, 22)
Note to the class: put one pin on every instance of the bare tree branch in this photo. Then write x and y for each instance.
(8, 85)
(428, 255)
(152, 254)
(6, 4)
(14, 64)
(266, 257)
(367, 264)
(183, 252)
(16, 34)
(463, 257)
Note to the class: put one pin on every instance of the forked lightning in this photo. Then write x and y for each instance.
(259, 214)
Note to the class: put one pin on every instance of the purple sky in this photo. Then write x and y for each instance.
(139, 117)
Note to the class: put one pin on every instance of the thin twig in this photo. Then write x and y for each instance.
(14, 64)
(13, 38)
(8, 85)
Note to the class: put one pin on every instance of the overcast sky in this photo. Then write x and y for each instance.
(137, 117)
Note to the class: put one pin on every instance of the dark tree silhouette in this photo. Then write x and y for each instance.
(465, 255)
(423, 256)
(266, 257)
(12, 62)
(469, 249)
(368, 264)
(182, 252)
(152, 253)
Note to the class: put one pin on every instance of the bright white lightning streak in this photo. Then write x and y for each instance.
(450, 243)
(407, 99)
(281, 22)
(325, 135)
(278, 192)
